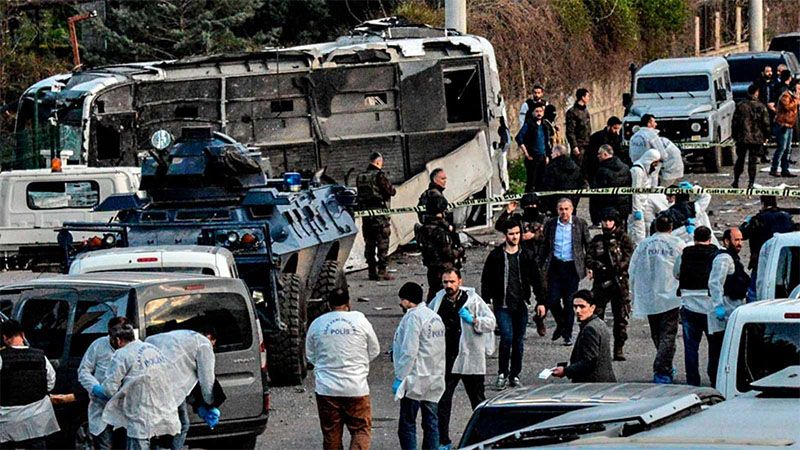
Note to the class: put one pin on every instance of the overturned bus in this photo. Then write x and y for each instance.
(421, 96)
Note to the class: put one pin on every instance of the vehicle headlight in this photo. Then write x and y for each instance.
(635, 128)
(695, 127)
(233, 237)
(109, 240)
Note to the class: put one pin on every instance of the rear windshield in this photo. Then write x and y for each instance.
(787, 44)
(60, 194)
(174, 269)
(491, 422)
(45, 313)
(766, 348)
(227, 312)
(749, 70)
(787, 277)
(661, 85)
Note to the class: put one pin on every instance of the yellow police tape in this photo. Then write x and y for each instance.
(731, 192)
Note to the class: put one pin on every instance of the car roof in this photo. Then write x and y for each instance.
(121, 279)
(756, 55)
(790, 34)
(592, 393)
(768, 310)
(208, 249)
(682, 65)
(786, 239)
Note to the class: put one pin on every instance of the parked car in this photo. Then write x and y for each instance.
(747, 67)
(202, 259)
(63, 315)
(526, 406)
(789, 42)
(692, 102)
(779, 267)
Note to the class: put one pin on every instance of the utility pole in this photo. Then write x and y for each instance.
(756, 16)
(73, 35)
(455, 15)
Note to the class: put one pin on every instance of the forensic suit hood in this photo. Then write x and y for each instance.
(477, 340)
(418, 354)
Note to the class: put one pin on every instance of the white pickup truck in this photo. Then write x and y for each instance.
(35, 203)
(779, 267)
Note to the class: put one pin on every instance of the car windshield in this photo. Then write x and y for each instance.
(682, 83)
(748, 70)
(766, 348)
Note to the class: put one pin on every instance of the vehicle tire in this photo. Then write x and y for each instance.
(712, 159)
(727, 156)
(286, 349)
(331, 277)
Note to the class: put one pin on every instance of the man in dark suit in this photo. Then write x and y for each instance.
(566, 241)
(590, 361)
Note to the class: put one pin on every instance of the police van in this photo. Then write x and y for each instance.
(63, 315)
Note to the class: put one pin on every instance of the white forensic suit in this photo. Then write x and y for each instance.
(192, 359)
(141, 384)
(648, 205)
(652, 283)
(418, 354)
(672, 167)
(720, 269)
(91, 372)
(340, 345)
(643, 140)
(477, 340)
(32, 420)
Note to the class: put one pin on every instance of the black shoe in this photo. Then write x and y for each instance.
(735, 184)
(567, 341)
(788, 175)
(772, 173)
(541, 328)
(619, 355)
(557, 334)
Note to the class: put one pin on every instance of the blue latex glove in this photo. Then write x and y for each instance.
(685, 185)
(98, 392)
(747, 219)
(466, 315)
(396, 385)
(690, 225)
(638, 215)
(210, 416)
(719, 311)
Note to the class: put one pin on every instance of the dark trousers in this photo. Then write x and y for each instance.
(663, 331)
(35, 443)
(337, 412)
(434, 281)
(753, 153)
(534, 171)
(620, 310)
(512, 323)
(473, 384)
(694, 325)
(714, 349)
(376, 231)
(562, 282)
(407, 424)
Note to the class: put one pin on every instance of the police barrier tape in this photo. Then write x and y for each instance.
(734, 192)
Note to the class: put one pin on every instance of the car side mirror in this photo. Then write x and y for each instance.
(722, 95)
(627, 99)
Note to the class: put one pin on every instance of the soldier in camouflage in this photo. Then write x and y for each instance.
(374, 190)
(607, 259)
(439, 243)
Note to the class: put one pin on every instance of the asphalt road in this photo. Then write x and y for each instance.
(293, 418)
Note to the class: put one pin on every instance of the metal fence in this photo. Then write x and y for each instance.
(21, 150)
(730, 12)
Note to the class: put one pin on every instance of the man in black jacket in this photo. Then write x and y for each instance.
(441, 249)
(611, 172)
(566, 239)
(590, 361)
(751, 127)
(374, 190)
(562, 173)
(509, 275)
(610, 135)
(579, 126)
(435, 189)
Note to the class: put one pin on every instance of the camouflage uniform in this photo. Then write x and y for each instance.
(608, 257)
(441, 249)
(374, 190)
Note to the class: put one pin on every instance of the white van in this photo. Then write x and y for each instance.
(201, 259)
(779, 267)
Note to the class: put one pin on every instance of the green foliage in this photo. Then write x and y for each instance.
(516, 176)
(418, 11)
(659, 17)
(574, 16)
(615, 24)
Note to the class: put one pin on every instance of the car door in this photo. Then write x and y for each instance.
(238, 366)
(725, 108)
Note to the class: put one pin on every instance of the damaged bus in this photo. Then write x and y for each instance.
(423, 97)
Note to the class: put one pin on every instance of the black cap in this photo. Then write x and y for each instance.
(609, 214)
(411, 292)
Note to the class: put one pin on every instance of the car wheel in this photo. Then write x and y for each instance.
(286, 348)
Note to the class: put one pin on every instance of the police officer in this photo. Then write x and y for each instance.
(440, 245)
(435, 189)
(374, 190)
(608, 258)
(26, 376)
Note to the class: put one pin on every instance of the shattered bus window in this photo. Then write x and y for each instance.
(463, 97)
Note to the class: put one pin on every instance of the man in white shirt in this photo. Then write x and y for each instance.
(654, 290)
(340, 344)
(26, 376)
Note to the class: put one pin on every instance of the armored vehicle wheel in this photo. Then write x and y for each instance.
(712, 160)
(331, 277)
(286, 352)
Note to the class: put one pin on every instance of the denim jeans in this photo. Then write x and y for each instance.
(562, 282)
(407, 424)
(183, 414)
(512, 323)
(694, 326)
(783, 136)
(137, 444)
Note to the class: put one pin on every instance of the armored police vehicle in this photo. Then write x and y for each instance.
(692, 102)
(289, 242)
(421, 96)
